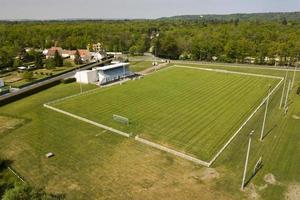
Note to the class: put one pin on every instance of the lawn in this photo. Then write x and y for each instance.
(192, 111)
(15, 79)
(137, 66)
(90, 162)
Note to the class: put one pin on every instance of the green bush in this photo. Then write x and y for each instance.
(50, 63)
(68, 63)
(298, 90)
(27, 75)
(68, 80)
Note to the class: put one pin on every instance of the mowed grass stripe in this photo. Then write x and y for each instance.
(187, 109)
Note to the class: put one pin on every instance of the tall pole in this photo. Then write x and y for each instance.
(287, 94)
(283, 89)
(294, 75)
(265, 116)
(246, 162)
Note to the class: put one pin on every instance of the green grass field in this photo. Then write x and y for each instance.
(137, 66)
(189, 110)
(91, 162)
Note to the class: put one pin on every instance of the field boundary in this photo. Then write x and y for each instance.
(242, 126)
(88, 121)
(163, 148)
(251, 115)
(16, 174)
(229, 72)
(72, 96)
(174, 152)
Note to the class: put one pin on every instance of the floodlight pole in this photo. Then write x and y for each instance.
(283, 89)
(247, 158)
(287, 94)
(294, 75)
(265, 116)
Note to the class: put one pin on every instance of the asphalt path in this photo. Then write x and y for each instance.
(49, 81)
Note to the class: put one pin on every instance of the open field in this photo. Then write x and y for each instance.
(90, 162)
(137, 66)
(192, 111)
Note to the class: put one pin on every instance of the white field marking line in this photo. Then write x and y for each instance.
(16, 174)
(176, 153)
(238, 131)
(230, 72)
(96, 89)
(88, 121)
(72, 96)
(236, 66)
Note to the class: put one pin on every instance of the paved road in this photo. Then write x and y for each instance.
(48, 81)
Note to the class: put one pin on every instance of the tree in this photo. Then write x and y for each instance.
(38, 60)
(77, 59)
(58, 60)
(50, 64)
(17, 63)
(25, 192)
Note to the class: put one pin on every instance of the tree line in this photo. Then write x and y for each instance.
(231, 41)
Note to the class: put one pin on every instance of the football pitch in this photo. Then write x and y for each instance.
(189, 110)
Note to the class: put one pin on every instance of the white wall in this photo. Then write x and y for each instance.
(87, 76)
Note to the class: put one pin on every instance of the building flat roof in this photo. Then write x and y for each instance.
(112, 66)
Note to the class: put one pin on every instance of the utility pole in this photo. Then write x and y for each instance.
(287, 95)
(247, 158)
(265, 116)
(283, 89)
(294, 75)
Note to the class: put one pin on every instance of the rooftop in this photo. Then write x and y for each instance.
(112, 66)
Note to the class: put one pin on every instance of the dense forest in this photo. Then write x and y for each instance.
(272, 16)
(224, 41)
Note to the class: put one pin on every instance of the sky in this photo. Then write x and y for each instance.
(129, 9)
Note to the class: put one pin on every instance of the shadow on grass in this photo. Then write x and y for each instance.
(274, 127)
(253, 175)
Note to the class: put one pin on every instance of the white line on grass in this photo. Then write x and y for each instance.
(235, 134)
(229, 72)
(16, 174)
(252, 114)
(88, 121)
(176, 153)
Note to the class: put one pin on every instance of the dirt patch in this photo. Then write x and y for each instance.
(9, 123)
(263, 187)
(270, 178)
(209, 174)
(251, 192)
(296, 117)
(293, 192)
